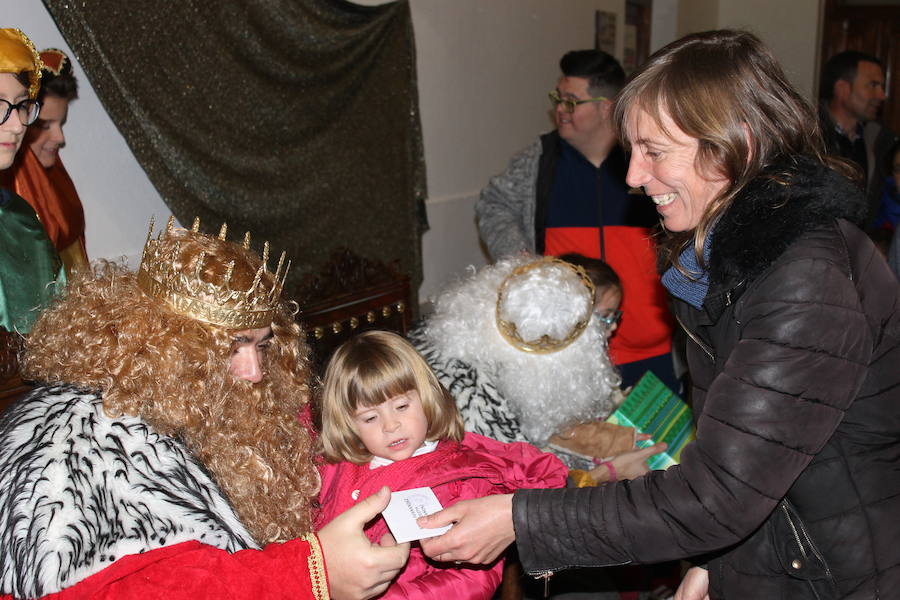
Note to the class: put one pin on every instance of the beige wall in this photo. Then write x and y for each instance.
(697, 15)
(504, 53)
(789, 28)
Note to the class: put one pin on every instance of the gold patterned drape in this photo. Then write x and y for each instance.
(294, 119)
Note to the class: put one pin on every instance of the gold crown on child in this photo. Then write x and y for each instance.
(187, 294)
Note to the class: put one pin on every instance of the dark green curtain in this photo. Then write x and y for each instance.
(295, 119)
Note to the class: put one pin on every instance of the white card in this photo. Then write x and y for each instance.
(408, 505)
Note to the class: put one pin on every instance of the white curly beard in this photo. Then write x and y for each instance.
(547, 392)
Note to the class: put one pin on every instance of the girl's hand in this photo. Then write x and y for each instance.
(694, 586)
(628, 465)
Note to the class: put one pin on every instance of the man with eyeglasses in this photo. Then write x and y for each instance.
(29, 265)
(566, 193)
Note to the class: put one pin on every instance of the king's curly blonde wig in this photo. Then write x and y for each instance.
(105, 334)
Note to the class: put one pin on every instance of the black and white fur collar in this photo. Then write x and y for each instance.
(81, 490)
(774, 210)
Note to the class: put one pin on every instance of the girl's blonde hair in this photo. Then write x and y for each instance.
(367, 370)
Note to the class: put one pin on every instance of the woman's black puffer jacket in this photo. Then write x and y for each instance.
(792, 488)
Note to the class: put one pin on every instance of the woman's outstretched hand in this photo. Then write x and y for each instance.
(694, 586)
(628, 465)
(482, 530)
(357, 568)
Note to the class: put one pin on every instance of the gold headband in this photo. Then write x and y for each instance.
(18, 54)
(187, 294)
(545, 344)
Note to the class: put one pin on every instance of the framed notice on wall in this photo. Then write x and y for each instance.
(629, 59)
(605, 31)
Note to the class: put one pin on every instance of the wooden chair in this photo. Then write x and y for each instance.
(349, 295)
(11, 385)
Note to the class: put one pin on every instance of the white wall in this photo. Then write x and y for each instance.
(117, 195)
(790, 29)
(696, 15)
(484, 72)
(664, 23)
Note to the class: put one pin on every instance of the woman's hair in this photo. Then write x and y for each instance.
(725, 89)
(105, 334)
(367, 370)
(24, 77)
(601, 274)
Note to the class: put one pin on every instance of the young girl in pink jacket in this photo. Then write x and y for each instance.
(387, 421)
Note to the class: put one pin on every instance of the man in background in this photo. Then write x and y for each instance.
(852, 93)
(566, 193)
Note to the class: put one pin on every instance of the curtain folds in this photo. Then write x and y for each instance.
(295, 119)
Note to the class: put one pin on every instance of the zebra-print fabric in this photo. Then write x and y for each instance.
(483, 408)
(81, 490)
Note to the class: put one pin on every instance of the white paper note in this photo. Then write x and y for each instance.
(408, 505)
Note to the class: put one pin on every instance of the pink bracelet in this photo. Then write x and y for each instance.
(611, 469)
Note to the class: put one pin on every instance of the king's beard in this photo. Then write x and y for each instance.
(546, 392)
(249, 438)
(550, 392)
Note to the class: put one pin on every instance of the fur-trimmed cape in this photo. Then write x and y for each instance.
(775, 209)
(81, 490)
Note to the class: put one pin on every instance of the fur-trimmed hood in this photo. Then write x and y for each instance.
(775, 209)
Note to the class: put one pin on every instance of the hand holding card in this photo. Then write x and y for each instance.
(408, 505)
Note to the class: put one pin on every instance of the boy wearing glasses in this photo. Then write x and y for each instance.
(607, 290)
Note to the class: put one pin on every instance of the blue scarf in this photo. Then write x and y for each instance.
(690, 289)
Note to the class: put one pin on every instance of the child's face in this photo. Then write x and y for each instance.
(395, 428)
(607, 308)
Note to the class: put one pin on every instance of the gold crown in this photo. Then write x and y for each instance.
(187, 294)
(18, 54)
(545, 344)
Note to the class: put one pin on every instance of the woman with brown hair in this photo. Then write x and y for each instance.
(792, 487)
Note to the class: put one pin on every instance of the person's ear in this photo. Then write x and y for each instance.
(606, 107)
(842, 89)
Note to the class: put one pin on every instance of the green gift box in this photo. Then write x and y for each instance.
(654, 409)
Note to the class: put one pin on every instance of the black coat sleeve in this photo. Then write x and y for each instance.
(801, 356)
